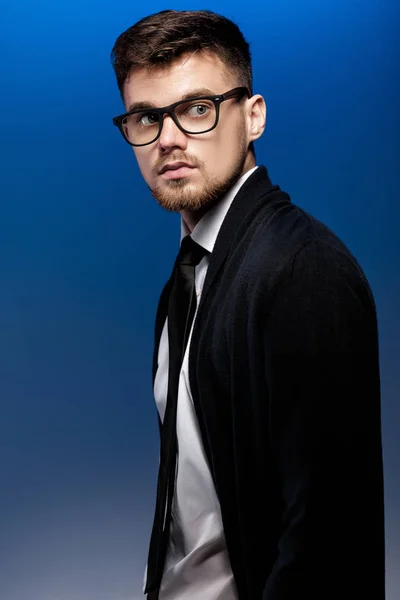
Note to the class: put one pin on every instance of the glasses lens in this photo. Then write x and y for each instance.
(141, 127)
(196, 116)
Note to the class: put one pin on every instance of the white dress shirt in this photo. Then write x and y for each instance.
(197, 565)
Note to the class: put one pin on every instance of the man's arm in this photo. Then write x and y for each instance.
(322, 369)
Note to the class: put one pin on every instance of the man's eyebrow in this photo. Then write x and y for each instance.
(144, 105)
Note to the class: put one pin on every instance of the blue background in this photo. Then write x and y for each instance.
(78, 428)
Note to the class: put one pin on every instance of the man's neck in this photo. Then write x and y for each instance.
(191, 218)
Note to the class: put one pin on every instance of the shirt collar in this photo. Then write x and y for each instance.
(206, 230)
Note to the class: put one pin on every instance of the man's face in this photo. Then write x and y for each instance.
(217, 158)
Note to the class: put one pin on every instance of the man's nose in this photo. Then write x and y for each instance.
(171, 136)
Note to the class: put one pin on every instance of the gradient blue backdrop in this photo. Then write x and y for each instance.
(78, 428)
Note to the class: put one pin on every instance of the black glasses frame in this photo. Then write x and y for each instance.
(170, 110)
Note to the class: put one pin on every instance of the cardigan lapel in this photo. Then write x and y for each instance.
(254, 188)
(160, 320)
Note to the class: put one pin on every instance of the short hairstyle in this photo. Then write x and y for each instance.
(159, 39)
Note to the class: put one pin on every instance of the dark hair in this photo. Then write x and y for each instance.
(159, 39)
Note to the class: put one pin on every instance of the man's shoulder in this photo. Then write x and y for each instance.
(287, 228)
(286, 235)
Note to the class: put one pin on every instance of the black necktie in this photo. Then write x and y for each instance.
(181, 310)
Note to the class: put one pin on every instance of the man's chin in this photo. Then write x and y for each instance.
(180, 204)
(178, 196)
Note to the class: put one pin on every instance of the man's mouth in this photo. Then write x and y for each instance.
(176, 170)
(175, 166)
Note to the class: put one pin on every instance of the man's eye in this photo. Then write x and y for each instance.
(148, 119)
(198, 110)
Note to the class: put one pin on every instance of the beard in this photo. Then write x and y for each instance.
(179, 194)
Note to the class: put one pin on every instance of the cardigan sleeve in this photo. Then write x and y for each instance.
(322, 370)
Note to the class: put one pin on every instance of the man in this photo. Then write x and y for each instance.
(272, 431)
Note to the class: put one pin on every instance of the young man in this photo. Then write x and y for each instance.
(270, 484)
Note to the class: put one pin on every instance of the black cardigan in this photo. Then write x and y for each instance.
(284, 374)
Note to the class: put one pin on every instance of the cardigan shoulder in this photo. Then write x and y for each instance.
(281, 241)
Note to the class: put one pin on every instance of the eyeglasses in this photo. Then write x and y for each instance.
(140, 127)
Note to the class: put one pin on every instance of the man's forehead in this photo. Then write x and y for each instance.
(166, 83)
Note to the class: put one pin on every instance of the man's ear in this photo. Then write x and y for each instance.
(256, 113)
